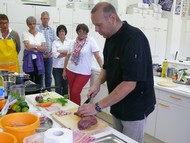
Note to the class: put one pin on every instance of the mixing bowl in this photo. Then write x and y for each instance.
(20, 124)
(7, 138)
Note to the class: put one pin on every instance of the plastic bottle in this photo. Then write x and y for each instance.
(164, 69)
(1, 87)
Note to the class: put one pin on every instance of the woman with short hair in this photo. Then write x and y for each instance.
(34, 43)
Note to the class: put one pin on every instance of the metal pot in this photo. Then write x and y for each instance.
(35, 88)
(4, 74)
(21, 78)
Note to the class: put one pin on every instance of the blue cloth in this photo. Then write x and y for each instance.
(27, 62)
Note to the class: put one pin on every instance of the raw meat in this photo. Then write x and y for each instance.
(87, 122)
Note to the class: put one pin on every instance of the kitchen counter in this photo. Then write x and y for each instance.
(180, 89)
(108, 130)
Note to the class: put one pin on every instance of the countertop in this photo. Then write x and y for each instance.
(180, 89)
(69, 105)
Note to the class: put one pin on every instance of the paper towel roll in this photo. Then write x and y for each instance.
(58, 135)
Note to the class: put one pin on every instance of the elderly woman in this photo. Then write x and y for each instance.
(34, 43)
(59, 50)
(77, 66)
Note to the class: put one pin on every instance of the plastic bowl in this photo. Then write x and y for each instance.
(20, 124)
(7, 138)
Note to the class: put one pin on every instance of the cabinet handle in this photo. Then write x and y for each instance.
(164, 105)
(174, 97)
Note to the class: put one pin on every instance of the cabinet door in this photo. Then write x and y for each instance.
(66, 15)
(151, 120)
(81, 16)
(137, 21)
(53, 13)
(151, 36)
(3, 8)
(18, 13)
(186, 50)
(172, 123)
(160, 46)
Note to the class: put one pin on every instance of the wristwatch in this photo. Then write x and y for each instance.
(97, 107)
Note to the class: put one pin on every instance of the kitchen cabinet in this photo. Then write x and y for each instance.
(65, 15)
(184, 49)
(3, 8)
(173, 116)
(151, 120)
(18, 13)
(156, 32)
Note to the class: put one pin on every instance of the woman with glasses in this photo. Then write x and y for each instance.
(9, 46)
(77, 66)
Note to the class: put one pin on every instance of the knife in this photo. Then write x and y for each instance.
(88, 100)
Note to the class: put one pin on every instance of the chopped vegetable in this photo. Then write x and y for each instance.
(45, 104)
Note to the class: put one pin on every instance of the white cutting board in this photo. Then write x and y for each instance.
(69, 105)
(167, 83)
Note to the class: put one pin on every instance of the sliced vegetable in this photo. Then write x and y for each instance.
(45, 104)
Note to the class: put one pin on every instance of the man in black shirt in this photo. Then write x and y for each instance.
(128, 71)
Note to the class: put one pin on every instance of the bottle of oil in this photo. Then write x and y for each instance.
(1, 87)
(164, 69)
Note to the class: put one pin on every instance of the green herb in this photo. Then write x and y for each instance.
(60, 100)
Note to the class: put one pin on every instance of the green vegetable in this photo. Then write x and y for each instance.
(25, 109)
(60, 100)
(23, 104)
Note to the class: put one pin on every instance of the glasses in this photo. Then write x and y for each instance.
(61, 31)
(82, 32)
(4, 23)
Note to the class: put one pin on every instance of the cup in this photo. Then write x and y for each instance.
(19, 89)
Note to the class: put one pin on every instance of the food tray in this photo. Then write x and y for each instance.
(111, 138)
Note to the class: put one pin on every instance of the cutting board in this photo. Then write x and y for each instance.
(166, 84)
(71, 120)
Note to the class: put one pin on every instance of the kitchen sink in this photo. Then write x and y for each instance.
(111, 138)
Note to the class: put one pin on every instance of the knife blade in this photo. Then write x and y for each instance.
(88, 100)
